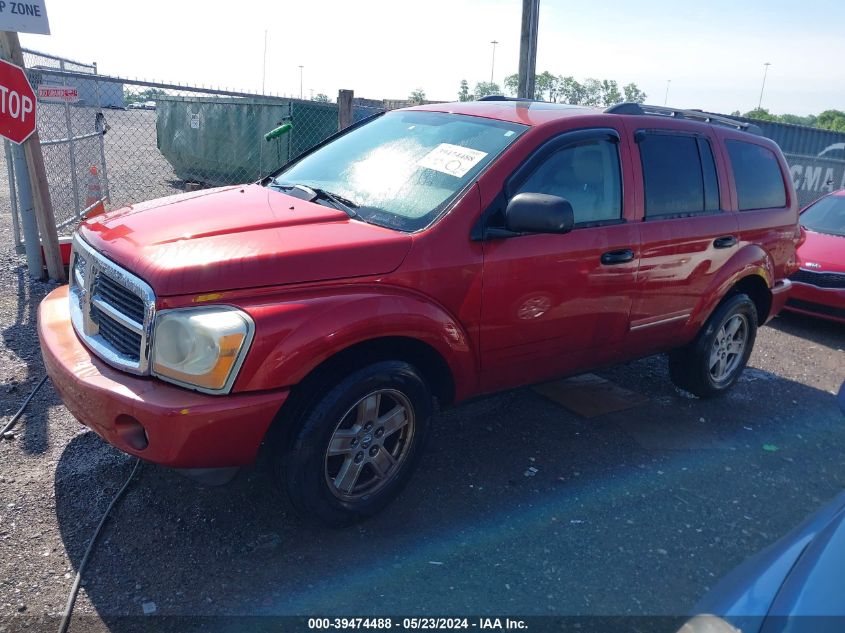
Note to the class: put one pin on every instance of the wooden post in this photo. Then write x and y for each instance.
(44, 215)
(344, 108)
(528, 48)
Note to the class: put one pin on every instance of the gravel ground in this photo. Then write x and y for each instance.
(632, 513)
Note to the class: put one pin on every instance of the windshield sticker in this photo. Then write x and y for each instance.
(451, 159)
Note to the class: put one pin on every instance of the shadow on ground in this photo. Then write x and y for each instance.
(820, 331)
(21, 340)
(635, 512)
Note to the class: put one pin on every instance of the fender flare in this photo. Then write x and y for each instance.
(750, 260)
(295, 334)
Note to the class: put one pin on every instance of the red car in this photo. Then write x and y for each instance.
(818, 287)
(433, 253)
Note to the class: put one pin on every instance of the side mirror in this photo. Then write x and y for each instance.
(539, 213)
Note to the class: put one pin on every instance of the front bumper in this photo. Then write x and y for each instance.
(158, 422)
(825, 303)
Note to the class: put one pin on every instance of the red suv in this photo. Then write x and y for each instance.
(437, 252)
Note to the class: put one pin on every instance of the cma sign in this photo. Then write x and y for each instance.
(823, 173)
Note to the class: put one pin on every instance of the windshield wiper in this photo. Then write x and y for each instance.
(316, 193)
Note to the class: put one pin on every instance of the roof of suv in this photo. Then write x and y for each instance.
(525, 112)
(539, 112)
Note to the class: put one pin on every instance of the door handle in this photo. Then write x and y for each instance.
(617, 257)
(724, 242)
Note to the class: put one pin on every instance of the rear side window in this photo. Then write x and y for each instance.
(679, 174)
(759, 182)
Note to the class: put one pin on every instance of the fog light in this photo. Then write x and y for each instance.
(131, 432)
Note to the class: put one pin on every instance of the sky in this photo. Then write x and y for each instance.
(713, 52)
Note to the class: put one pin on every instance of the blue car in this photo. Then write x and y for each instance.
(795, 585)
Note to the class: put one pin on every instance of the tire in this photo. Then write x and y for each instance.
(696, 367)
(369, 465)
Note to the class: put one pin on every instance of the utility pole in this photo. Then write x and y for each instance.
(763, 87)
(666, 98)
(528, 48)
(493, 61)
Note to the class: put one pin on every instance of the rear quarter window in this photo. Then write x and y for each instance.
(759, 181)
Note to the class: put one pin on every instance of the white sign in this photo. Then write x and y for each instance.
(451, 159)
(26, 16)
(58, 93)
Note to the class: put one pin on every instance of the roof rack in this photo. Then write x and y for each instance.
(503, 98)
(696, 115)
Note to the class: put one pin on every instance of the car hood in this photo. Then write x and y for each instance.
(814, 585)
(241, 237)
(799, 575)
(828, 251)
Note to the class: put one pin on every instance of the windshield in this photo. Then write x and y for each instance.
(826, 216)
(403, 169)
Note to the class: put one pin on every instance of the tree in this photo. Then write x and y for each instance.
(321, 98)
(464, 94)
(484, 88)
(592, 93)
(417, 96)
(512, 84)
(545, 83)
(633, 94)
(832, 120)
(571, 91)
(567, 89)
(610, 94)
(795, 119)
(149, 94)
(761, 114)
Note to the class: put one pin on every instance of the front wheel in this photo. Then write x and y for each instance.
(358, 444)
(713, 362)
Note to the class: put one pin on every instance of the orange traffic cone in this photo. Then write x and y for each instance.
(94, 200)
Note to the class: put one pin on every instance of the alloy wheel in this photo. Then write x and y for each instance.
(728, 347)
(369, 445)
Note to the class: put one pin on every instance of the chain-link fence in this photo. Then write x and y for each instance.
(121, 141)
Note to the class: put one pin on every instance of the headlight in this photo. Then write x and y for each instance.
(201, 348)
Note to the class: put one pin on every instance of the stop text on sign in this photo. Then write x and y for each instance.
(15, 104)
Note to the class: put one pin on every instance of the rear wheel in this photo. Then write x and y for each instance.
(358, 443)
(714, 361)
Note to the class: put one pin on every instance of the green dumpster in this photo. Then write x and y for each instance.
(220, 140)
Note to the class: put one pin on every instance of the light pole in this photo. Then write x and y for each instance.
(666, 98)
(264, 63)
(300, 81)
(763, 87)
(493, 61)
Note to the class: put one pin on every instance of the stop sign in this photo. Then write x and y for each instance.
(17, 103)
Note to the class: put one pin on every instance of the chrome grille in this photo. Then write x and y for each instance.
(112, 310)
(121, 298)
(121, 338)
